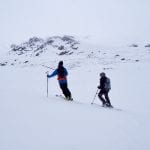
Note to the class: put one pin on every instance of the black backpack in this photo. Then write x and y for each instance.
(61, 71)
(107, 85)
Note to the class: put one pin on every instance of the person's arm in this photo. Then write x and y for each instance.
(99, 86)
(53, 74)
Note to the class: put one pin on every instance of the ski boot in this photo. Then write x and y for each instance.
(104, 105)
(68, 98)
(109, 105)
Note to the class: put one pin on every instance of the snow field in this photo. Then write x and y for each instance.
(30, 120)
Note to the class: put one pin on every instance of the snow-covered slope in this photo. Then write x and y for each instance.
(31, 121)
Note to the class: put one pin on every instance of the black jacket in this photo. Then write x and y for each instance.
(102, 82)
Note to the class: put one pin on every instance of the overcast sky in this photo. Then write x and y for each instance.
(110, 20)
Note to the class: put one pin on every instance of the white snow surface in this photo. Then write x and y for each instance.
(32, 121)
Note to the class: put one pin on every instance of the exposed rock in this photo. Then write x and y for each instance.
(37, 54)
(134, 45)
(117, 55)
(75, 47)
(49, 41)
(107, 68)
(123, 59)
(61, 47)
(69, 39)
(3, 64)
(64, 52)
(26, 61)
(137, 60)
(148, 45)
(70, 53)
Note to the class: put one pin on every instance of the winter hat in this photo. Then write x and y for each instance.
(60, 63)
(102, 74)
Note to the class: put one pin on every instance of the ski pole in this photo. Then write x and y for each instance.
(47, 82)
(94, 96)
(47, 67)
(47, 86)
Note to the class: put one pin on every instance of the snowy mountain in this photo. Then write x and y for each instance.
(36, 46)
(38, 51)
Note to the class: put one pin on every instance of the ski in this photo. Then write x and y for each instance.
(94, 104)
(105, 107)
(72, 101)
(61, 96)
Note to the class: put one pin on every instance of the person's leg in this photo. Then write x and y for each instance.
(107, 98)
(63, 88)
(67, 91)
(100, 95)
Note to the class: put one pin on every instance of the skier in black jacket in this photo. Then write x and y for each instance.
(104, 90)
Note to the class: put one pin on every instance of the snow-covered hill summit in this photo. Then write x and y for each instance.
(39, 51)
(36, 46)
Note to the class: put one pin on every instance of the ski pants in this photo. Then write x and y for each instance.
(65, 89)
(104, 99)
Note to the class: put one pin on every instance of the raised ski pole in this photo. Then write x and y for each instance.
(47, 67)
(94, 96)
